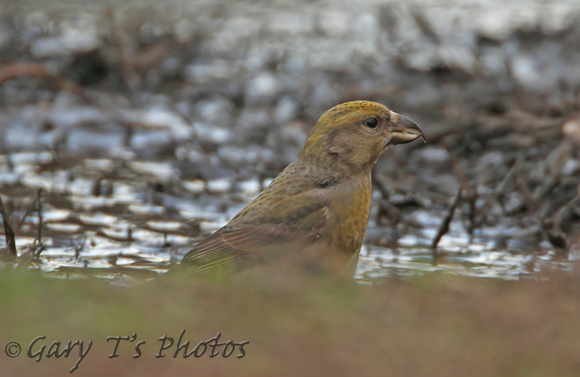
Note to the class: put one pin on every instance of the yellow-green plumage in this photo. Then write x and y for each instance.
(316, 210)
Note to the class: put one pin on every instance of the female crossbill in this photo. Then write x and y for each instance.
(316, 211)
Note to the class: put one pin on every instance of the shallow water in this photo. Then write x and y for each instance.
(154, 157)
(105, 218)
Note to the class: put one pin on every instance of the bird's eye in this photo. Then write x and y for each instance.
(371, 122)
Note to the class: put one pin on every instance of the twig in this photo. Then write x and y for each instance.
(39, 201)
(8, 232)
(481, 214)
(471, 199)
(522, 185)
(552, 228)
(32, 203)
(470, 191)
(29, 254)
(444, 228)
(555, 163)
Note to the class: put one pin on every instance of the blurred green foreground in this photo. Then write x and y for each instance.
(300, 326)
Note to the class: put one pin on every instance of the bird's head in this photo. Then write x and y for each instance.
(357, 133)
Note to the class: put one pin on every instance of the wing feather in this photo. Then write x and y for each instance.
(250, 239)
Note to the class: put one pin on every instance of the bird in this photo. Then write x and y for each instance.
(315, 212)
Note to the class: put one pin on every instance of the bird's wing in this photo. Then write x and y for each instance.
(254, 237)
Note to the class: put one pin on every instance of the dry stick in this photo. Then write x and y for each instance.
(471, 202)
(481, 214)
(470, 195)
(30, 252)
(39, 201)
(522, 185)
(9, 232)
(554, 164)
(32, 203)
(470, 198)
(565, 211)
(444, 228)
(552, 228)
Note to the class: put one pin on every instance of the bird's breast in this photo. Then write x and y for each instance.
(348, 215)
